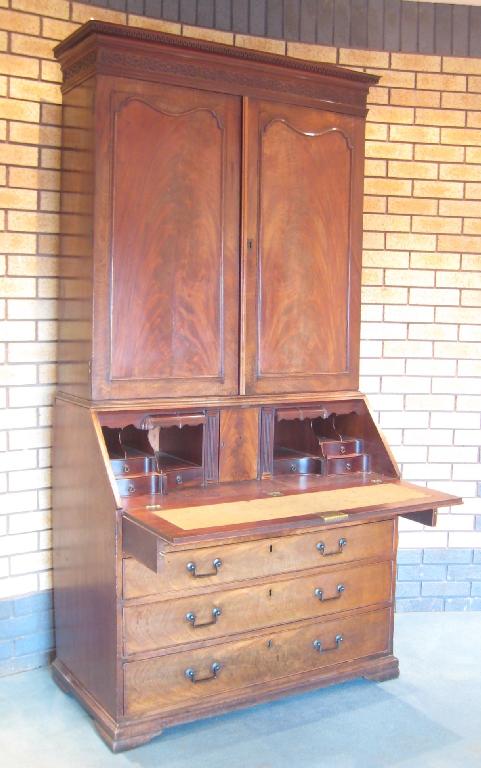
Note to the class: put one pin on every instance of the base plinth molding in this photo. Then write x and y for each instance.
(128, 733)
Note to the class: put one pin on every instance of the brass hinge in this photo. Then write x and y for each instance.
(334, 517)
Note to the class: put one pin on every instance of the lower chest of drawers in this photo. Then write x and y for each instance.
(187, 639)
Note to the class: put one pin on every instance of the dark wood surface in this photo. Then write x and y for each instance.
(259, 557)
(152, 626)
(303, 270)
(75, 303)
(141, 585)
(238, 444)
(160, 683)
(172, 278)
(85, 564)
(166, 204)
(328, 82)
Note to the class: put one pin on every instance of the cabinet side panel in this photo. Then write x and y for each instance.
(76, 269)
(84, 541)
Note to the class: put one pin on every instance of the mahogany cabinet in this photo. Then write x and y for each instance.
(225, 509)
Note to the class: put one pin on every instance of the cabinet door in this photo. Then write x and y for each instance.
(302, 249)
(166, 317)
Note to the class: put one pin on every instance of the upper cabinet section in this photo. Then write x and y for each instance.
(222, 189)
(303, 255)
(171, 221)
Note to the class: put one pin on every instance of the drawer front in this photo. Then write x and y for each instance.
(183, 478)
(180, 679)
(199, 617)
(129, 485)
(341, 465)
(211, 566)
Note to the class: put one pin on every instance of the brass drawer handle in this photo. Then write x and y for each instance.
(191, 617)
(191, 567)
(191, 674)
(322, 548)
(320, 594)
(317, 644)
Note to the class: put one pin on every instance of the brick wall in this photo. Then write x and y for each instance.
(421, 350)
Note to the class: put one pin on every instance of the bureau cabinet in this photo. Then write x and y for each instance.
(224, 506)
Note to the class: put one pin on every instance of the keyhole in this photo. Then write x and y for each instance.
(269, 643)
(270, 593)
(270, 547)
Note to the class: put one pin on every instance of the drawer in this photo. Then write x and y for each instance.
(181, 679)
(340, 447)
(303, 465)
(134, 465)
(183, 477)
(137, 484)
(212, 566)
(198, 617)
(341, 465)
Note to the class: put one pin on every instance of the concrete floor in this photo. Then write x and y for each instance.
(429, 718)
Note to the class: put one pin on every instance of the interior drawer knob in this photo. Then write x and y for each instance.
(319, 593)
(340, 546)
(192, 568)
(191, 674)
(317, 645)
(192, 618)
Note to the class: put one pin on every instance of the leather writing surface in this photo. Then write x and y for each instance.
(290, 506)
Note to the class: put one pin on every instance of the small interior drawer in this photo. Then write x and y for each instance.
(134, 484)
(133, 465)
(340, 465)
(180, 679)
(194, 569)
(196, 618)
(183, 477)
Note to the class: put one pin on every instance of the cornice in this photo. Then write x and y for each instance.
(107, 30)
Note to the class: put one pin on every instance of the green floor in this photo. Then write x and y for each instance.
(429, 718)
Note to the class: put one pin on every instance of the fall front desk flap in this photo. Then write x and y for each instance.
(281, 509)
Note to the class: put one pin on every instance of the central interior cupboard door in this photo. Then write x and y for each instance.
(303, 248)
(174, 243)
